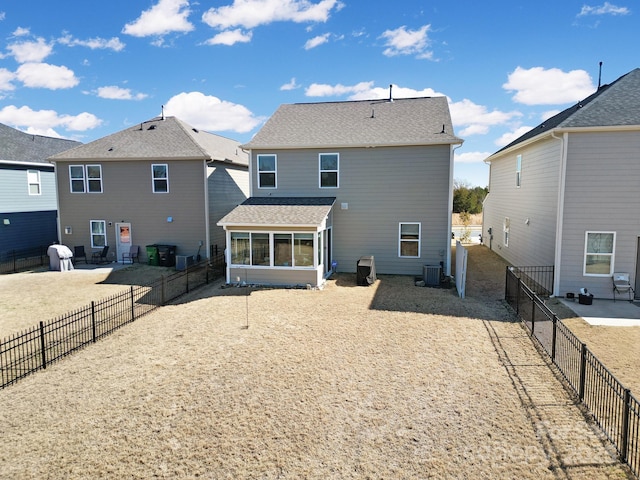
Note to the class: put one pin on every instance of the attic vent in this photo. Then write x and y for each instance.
(111, 149)
(151, 127)
(195, 130)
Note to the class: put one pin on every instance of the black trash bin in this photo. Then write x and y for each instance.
(167, 255)
(366, 271)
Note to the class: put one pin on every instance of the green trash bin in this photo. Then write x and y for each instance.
(152, 255)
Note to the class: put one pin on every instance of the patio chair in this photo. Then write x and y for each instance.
(78, 253)
(622, 285)
(132, 254)
(100, 256)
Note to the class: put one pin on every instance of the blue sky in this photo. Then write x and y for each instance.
(85, 69)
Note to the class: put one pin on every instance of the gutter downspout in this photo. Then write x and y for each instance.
(560, 211)
(207, 220)
(450, 214)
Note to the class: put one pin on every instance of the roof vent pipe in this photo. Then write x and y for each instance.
(162, 114)
(600, 76)
(390, 95)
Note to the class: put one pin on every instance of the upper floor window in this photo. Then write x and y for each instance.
(267, 169)
(33, 182)
(76, 177)
(518, 170)
(409, 240)
(329, 163)
(598, 253)
(94, 178)
(85, 178)
(160, 173)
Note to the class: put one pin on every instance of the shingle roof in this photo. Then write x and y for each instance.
(407, 121)
(166, 138)
(17, 146)
(616, 104)
(283, 211)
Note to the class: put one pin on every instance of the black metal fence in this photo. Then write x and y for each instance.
(14, 261)
(538, 279)
(612, 406)
(35, 348)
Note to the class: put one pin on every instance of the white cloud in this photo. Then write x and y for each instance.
(470, 157)
(165, 17)
(509, 137)
(537, 86)
(253, 13)
(30, 51)
(210, 113)
(21, 32)
(43, 75)
(396, 92)
(476, 119)
(113, 43)
(2, 16)
(548, 114)
(606, 9)
(407, 42)
(230, 37)
(43, 122)
(316, 41)
(292, 85)
(6, 77)
(324, 90)
(118, 93)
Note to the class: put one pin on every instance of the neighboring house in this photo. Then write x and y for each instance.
(332, 182)
(160, 182)
(27, 190)
(566, 193)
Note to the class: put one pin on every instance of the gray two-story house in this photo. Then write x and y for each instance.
(565, 194)
(161, 182)
(333, 182)
(27, 190)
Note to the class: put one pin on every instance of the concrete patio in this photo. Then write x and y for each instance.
(621, 313)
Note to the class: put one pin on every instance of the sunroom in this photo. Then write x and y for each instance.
(282, 241)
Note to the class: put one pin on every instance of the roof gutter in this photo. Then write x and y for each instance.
(29, 164)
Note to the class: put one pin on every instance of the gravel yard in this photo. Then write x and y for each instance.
(388, 381)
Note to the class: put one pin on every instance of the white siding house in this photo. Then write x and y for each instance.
(566, 194)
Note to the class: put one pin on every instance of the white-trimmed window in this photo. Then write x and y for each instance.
(76, 178)
(329, 169)
(506, 227)
(599, 250)
(267, 171)
(94, 178)
(278, 249)
(98, 233)
(33, 182)
(85, 178)
(409, 240)
(160, 177)
(518, 170)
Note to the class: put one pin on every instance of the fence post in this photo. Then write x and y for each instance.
(518, 295)
(13, 254)
(186, 275)
(162, 281)
(583, 371)
(533, 316)
(42, 346)
(133, 306)
(93, 320)
(554, 336)
(624, 444)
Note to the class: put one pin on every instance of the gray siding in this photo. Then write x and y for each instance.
(14, 193)
(536, 199)
(128, 197)
(381, 187)
(228, 187)
(601, 194)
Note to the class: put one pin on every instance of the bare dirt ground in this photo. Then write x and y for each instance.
(387, 381)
